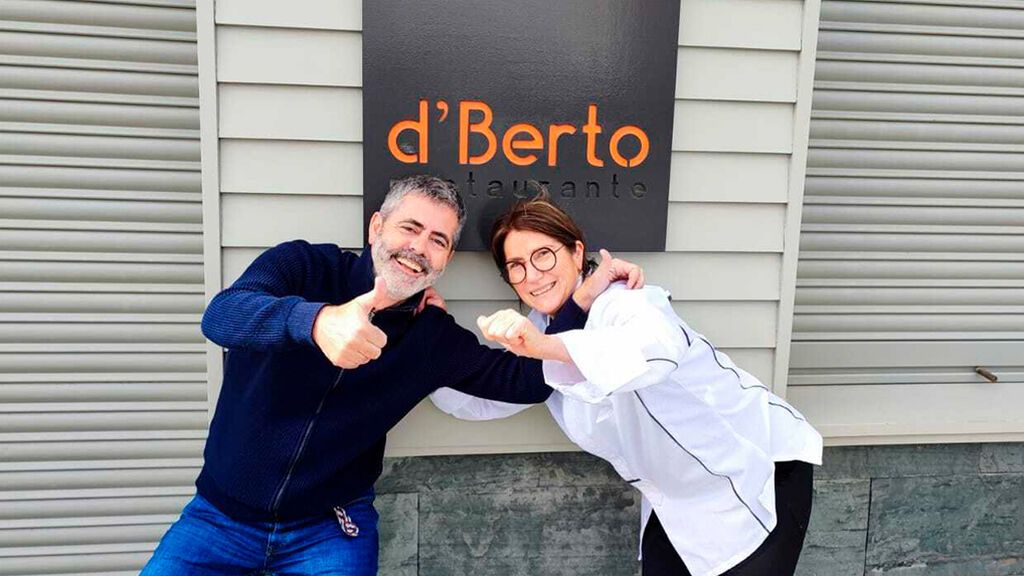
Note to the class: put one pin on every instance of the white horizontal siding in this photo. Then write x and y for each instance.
(718, 227)
(729, 177)
(939, 411)
(706, 126)
(720, 74)
(290, 112)
(692, 227)
(759, 24)
(325, 14)
(256, 55)
(291, 167)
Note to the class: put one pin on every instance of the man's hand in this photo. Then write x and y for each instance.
(608, 271)
(344, 333)
(519, 336)
(431, 298)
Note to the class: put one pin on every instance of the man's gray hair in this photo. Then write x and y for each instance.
(432, 187)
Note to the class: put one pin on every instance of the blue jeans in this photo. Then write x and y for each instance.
(206, 542)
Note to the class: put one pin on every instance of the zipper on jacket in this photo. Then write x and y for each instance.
(297, 455)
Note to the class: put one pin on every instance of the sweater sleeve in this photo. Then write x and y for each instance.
(266, 308)
(470, 367)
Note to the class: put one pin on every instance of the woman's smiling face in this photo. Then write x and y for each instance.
(542, 290)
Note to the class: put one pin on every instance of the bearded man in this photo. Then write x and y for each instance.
(326, 350)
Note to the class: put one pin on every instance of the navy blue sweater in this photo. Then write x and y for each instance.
(294, 435)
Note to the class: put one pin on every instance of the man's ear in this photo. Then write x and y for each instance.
(376, 225)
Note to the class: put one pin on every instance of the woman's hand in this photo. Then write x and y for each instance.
(519, 336)
(431, 297)
(608, 271)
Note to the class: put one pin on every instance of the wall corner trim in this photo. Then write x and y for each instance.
(794, 207)
(209, 150)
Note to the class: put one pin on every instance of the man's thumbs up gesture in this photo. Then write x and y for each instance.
(344, 333)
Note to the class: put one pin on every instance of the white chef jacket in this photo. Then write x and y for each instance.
(697, 435)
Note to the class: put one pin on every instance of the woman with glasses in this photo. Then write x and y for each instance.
(724, 466)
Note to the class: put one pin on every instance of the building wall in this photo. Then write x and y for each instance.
(288, 144)
(287, 163)
(936, 510)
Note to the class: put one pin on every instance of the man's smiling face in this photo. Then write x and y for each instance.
(412, 247)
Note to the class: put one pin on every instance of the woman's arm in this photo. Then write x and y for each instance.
(632, 341)
(466, 407)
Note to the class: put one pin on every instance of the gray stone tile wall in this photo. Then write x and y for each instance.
(933, 510)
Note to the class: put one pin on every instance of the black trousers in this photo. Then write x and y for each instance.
(779, 553)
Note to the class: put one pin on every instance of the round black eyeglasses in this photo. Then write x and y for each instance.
(542, 259)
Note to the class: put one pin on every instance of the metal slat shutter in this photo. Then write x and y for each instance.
(103, 406)
(913, 221)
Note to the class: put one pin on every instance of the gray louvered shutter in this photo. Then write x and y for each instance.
(102, 369)
(911, 266)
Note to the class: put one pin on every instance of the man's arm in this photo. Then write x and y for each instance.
(265, 308)
(479, 370)
(268, 308)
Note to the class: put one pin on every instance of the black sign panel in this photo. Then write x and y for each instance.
(490, 93)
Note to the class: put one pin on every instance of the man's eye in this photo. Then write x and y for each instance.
(407, 228)
(440, 243)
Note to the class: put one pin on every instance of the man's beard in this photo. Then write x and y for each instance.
(400, 285)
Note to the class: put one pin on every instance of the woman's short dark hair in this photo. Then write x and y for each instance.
(538, 214)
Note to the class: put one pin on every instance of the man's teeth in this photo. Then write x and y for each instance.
(542, 291)
(409, 264)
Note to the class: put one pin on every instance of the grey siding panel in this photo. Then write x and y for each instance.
(291, 167)
(326, 14)
(729, 177)
(103, 398)
(911, 269)
(246, 54)
(771, 25)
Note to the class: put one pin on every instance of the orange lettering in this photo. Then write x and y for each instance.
(418, 126)
(592, 129)
(483, 127)
(509, 145)
(555, 131)
(636, 132)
